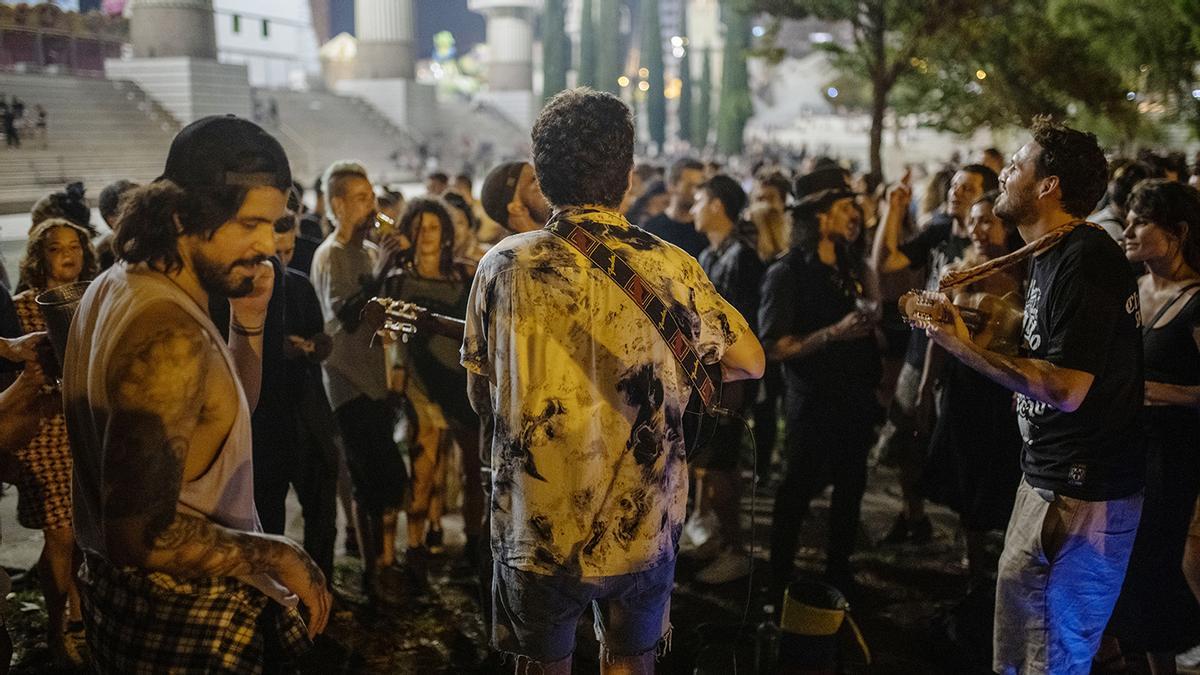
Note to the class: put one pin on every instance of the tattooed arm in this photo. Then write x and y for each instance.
(158, 381)
(1061, 388)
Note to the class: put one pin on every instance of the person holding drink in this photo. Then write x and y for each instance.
(58, 253)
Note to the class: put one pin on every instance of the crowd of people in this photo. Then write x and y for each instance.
(14, 122)
(1046, 388)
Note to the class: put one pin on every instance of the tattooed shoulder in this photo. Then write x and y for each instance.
(161, 363)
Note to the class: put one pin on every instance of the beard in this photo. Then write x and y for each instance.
(218, 279)
(539, 209)
(1016, 208)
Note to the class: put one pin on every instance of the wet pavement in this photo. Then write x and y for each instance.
(906, 595)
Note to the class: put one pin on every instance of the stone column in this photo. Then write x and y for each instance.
(384, 29)
(159, 28)
(510, 42)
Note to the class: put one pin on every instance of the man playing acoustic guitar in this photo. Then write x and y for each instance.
(1079, 390)
(589, 485)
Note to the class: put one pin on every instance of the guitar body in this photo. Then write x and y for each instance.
(994, 321)
(700, 424)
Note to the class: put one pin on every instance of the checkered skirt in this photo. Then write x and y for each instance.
(43, 477)
(141, 622)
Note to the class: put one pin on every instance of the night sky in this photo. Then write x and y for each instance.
(432, 16)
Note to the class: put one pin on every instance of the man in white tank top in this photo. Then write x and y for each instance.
(178, 575)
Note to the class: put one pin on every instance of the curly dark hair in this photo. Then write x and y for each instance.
(34, 270)
(411, 220)
(146, 232)
(583, 148)
(68, 204)
(1076, 158)
(1173, 207)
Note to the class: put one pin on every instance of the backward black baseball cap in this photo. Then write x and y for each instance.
(226, 150)
(498, 190)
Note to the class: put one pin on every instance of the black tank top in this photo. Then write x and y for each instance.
(1171, 353)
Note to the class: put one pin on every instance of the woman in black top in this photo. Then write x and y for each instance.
(1155, 614)
(975, 447)
(426, 371)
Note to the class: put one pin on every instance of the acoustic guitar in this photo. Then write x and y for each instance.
(994, 321)
(399, 320)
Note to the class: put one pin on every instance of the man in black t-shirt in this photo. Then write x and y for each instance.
(675, 224)
(813, 319)
(940, 244)
(736, 272)
(1079, 389)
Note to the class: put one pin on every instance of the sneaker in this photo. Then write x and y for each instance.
(703, 537)
(731, 564)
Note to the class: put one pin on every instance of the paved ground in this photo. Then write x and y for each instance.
(907, 608)
(905, 590)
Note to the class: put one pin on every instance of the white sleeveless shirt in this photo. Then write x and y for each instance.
(224, 493)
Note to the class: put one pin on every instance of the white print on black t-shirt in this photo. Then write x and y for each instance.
(1133, 305)
(1028, 408)
(1032, 339)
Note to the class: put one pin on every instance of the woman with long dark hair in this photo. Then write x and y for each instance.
(426, 371)
(1155, 615)
(975, 445)
(58, 253)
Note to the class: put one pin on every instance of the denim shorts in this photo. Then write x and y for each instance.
(534, 615)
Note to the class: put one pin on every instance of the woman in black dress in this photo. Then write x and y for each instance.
(975, 447)
(426, 371)
(1155, 614)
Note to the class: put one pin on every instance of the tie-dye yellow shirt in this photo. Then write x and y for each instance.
(588, 454)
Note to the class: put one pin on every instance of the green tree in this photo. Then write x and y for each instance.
(887, 36)
(608, 46)
(684, 110)
(735, 107)
(556, 55)
(1118, 68)
(586, 74)
(652, 61)
(703, 122)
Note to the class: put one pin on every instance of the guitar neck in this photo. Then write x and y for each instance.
(448, 326)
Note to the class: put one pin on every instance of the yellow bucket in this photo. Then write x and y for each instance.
(813, 615)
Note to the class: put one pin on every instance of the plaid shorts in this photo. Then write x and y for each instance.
(141, 622)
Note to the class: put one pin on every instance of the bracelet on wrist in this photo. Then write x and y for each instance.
(245, 330)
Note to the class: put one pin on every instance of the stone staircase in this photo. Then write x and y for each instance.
(99, 131)
(318, 128)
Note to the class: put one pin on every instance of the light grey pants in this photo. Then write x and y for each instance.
(1060, 574)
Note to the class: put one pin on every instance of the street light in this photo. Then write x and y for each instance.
(623, 81)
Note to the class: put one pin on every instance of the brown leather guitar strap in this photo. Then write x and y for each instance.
(957, 278)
